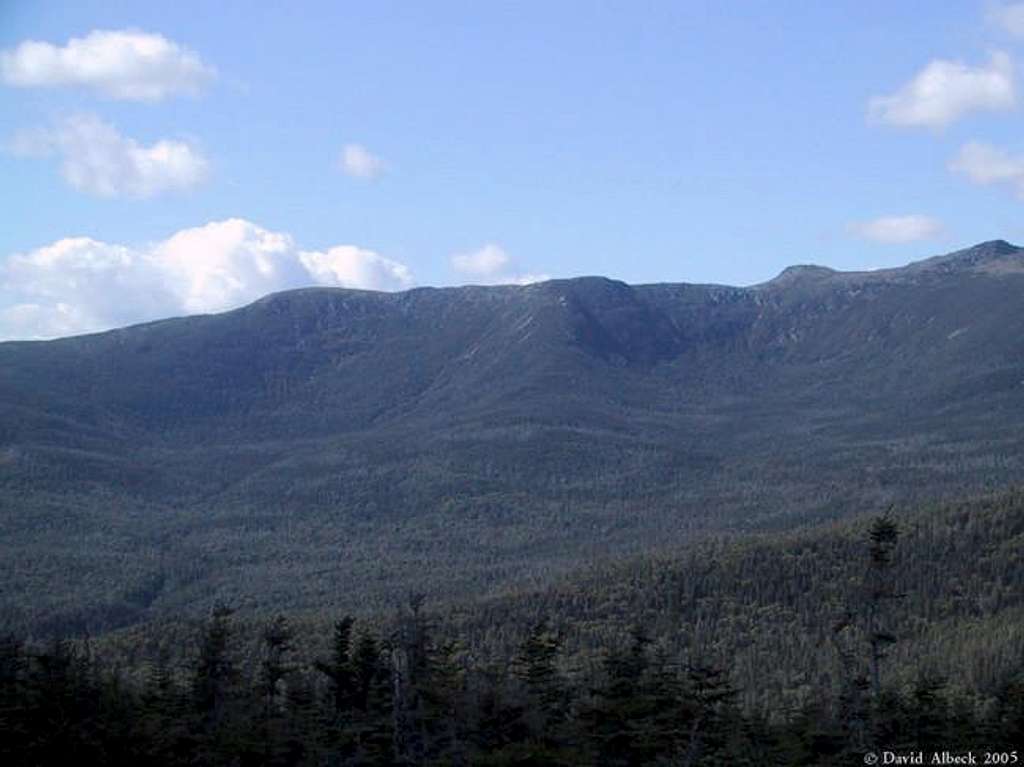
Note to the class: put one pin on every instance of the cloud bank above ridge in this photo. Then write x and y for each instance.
(490, 264)
(80, 285)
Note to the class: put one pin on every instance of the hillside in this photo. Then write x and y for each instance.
(755, 650)
(333, 448)
(767, 607)
(764, 606)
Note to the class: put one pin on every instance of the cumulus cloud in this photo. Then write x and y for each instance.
(985, 164)
(79, 285)
(36, 321)
(894, 230)
(488, 261)
(1010, 17)
(224, 264)
(493, 265)
(945, 91)
(98, 160)
(354, 267)
(120, 64)
(898, 229)
(357, 161)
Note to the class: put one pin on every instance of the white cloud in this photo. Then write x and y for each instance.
(944, 91)
(224, 264)
(493, 265)
(98, 160)
(529, 279)
(352, 267)
(984, 164)
(1010, 17)
(898, 229)
(488, 261)
(35, 321)
(357, 161)
(120, 64)
(79, 285)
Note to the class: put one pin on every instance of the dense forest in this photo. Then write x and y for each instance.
(892, 632)
(415, 699)
(511, 384)
(331, 448)
(576, 522)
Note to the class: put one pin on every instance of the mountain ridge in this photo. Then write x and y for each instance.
(461, 438)
(982, 256)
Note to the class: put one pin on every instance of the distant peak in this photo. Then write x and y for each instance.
(997, 247)
(984, 256)
(985, 251)
(801, 273)
(807, 270)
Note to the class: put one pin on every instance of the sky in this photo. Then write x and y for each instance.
(163, 159)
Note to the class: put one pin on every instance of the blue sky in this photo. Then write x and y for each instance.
(166, 158)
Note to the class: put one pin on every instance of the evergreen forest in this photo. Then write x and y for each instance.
(897, 632)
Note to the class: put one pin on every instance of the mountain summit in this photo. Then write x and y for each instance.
(995, 255)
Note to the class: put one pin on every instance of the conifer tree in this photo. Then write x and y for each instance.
(373, 724)
(535, 667)
(274, 670)
(338, 668)
(214, 687)
(880, 589)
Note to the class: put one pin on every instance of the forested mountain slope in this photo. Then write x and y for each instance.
(751, 649)
(333, 447)
(777, 610)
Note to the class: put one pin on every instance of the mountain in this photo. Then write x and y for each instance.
(337, 447)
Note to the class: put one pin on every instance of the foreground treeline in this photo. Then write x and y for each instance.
(899, 632)
(414, 700)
